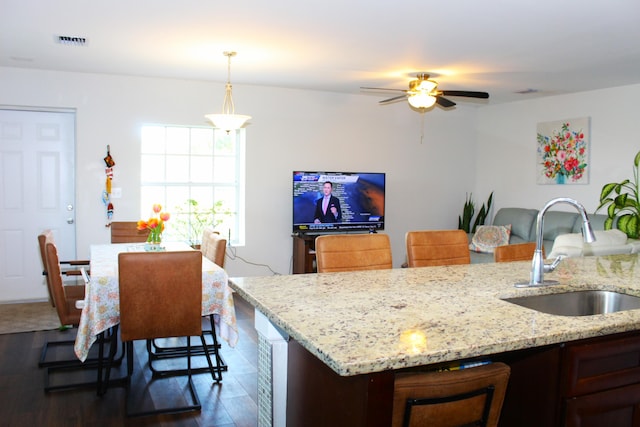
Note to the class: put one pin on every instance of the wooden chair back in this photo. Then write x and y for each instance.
(213, 246)
(352, 252)
(472, 396)
(515, 252)
(71, 267)
(64, 297)
(437, 247)
(160, 294)
(127, 232)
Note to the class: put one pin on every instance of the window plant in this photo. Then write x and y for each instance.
(191, 219)
(623, 203)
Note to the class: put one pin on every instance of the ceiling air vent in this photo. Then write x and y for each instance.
(72, 41)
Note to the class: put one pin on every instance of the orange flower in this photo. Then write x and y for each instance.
(155, 224)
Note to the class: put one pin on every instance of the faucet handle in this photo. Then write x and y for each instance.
(550, 267)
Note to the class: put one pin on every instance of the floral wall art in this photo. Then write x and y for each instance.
(563, 152)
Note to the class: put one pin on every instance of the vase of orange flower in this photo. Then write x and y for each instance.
(155, 225)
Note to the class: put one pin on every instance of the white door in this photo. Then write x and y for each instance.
(37, 192)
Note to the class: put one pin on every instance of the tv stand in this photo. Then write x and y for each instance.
(304, 253)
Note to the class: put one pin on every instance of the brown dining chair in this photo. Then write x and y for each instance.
(69, 269)
(213, 247)
(437, 247)
(215, 251)
(465, 397)
(351, 252)
(127, 232)
(160, 297)
(67, 299)
(515, 252)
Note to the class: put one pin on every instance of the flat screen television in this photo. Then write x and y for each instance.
(355, 201)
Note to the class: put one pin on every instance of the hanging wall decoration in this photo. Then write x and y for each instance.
(106, 193)
(563, 152)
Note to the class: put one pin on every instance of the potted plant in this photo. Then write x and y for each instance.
(464, 221)
(623, 203)
(191, 219)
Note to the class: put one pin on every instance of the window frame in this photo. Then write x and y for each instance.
(159, 190)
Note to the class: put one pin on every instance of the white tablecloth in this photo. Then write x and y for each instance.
(102, 301)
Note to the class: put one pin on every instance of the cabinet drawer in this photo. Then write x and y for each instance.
(601, 364)
(618, 407)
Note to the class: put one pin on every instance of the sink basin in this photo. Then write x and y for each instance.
(579, 303)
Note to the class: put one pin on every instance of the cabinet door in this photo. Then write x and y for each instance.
(618, 407)
(600, 364)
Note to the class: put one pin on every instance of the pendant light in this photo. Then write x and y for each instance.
(228, 120)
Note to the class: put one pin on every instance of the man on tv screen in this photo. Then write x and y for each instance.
(328, 206)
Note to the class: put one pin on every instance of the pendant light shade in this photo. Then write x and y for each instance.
(228, 120)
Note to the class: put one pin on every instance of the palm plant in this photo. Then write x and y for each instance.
(623, 203)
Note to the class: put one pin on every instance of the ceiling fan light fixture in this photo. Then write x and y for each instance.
(228, 120)
(427, 85)
(422, 100)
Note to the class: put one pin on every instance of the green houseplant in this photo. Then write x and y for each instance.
(464, 221)
(623, 202)
(191, 218)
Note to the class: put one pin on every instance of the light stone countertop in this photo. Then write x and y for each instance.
(371, 321)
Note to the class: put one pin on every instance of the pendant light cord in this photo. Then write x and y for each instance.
(227, 104)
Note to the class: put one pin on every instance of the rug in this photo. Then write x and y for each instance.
(28, 317)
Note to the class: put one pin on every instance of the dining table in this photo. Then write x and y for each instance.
(101, 309)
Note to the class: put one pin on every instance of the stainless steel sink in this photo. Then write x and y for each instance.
(579, 303)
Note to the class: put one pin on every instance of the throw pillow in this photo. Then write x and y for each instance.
(488, 237)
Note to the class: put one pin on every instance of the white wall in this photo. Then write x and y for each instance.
(506, 138)
(290, 130)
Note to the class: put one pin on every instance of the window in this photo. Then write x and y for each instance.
(197, 175)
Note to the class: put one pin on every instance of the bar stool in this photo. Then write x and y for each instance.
(466, 397)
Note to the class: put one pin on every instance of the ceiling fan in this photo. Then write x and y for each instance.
(423, 93)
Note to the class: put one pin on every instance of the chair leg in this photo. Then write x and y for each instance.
(76, 365)
(203, 348)
(111, 361)
(157, 352)
(195, 404)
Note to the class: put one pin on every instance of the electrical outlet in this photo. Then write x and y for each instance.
(116, 193)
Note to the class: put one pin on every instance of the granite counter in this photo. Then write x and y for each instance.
(373, 321)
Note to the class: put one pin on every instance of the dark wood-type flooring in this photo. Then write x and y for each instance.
(23, 402)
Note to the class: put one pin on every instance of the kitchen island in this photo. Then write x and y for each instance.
(352, 331)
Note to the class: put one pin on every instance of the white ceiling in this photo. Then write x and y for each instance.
(497, 46)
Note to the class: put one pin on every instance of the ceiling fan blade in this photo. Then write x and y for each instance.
(444, 102)
(381, 88)
(394, 99)
(468, 94)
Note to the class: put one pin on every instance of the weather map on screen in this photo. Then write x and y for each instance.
(338, 201)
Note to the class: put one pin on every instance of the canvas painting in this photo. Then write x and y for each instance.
(563, 152)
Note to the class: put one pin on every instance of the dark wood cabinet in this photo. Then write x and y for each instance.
(601, 382)
(304, 254)
(586, 383)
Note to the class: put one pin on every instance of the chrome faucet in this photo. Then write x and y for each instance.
(538, 267)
